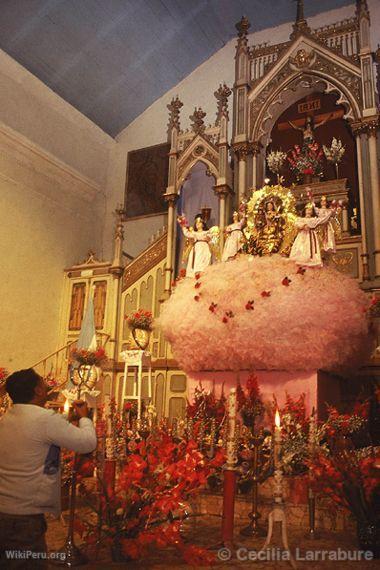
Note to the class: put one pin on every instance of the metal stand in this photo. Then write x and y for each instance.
(136, 359)
(311, 533)
(71, 554)
(253, 529)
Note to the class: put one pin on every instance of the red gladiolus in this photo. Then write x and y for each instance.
(197, 276)
(249, 306)
(196, 297)
(301, 271)
(225, 320)
(212, 307)
(286, 281)
(265, 293)
(197, 285)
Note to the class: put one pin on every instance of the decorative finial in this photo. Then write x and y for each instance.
(300, 25)
(362, 9)
(174, 111)
(222, 95)
(243, 27)
(198, 125)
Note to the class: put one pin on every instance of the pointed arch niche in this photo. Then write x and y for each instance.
(327, 107)
(196, 192)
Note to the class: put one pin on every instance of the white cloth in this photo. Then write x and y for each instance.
(30, 441)
(305, 249)
(234, 240)
(200, 253)
(328, 234)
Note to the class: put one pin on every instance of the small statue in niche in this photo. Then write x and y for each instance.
(199, 255)
(234, 237)
(306, 250)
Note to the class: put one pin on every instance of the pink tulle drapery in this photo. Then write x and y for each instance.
(265, 313)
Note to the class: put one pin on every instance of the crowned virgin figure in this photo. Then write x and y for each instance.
(269, 229)
(234, 237)
(199, 238)
(306, 250)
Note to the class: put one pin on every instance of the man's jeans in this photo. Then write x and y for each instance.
(22, 541)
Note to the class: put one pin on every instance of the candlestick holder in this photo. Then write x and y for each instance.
(70, 555)
(253, 529)
(278, 515)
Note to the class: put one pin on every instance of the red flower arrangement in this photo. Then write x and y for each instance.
(141, 319)
(150, 500)
(3, 374)
(345, 469)
(89, 357)
(249, 402)
(306, 160)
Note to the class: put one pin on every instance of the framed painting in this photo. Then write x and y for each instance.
(147, 176)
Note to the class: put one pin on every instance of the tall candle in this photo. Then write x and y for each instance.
(231, 447)
(277, 438)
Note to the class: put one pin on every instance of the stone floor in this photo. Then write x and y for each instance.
(205, 531)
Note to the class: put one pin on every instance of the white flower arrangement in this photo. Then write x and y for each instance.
(275, 160)
(335, 152)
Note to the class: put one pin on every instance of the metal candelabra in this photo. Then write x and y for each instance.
(253, 529)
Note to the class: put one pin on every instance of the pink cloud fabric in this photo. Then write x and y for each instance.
(311, 320)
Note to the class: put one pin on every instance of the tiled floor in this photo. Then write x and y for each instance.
(205, 530)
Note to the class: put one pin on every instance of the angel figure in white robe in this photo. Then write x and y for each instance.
(328, 231)
(234, 237)
(200, 251)
(306, 250)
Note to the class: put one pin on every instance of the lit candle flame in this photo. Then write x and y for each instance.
(277, 420)
(66, 407)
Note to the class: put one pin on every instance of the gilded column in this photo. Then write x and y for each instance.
(117, 270)
(363, 225)
(375, 189)
(171, 200)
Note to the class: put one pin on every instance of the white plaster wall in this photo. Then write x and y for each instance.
(197, 90)
(50, 217)
(32, 109)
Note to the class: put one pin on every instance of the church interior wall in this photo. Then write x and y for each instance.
(53, 179)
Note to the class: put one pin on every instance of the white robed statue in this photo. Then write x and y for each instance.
(328, 231)
(234, 237)
(306, 250)
(199, 240)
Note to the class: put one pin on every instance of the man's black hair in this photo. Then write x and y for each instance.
(21, 385)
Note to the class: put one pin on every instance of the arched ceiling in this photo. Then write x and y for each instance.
(111, 59)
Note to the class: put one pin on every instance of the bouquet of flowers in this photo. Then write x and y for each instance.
(89, 357)
(306, 160)
(295, 428)
(150, 500)
(141, 319)
(250, 404)
(335, 152)
(206, 406)
(275, 160)
(346, 470)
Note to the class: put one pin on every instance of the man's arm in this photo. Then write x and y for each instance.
(80, 439)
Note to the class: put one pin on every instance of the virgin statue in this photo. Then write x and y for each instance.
(306, 250)
(199, 241)
(269, 229)
(234, 237)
